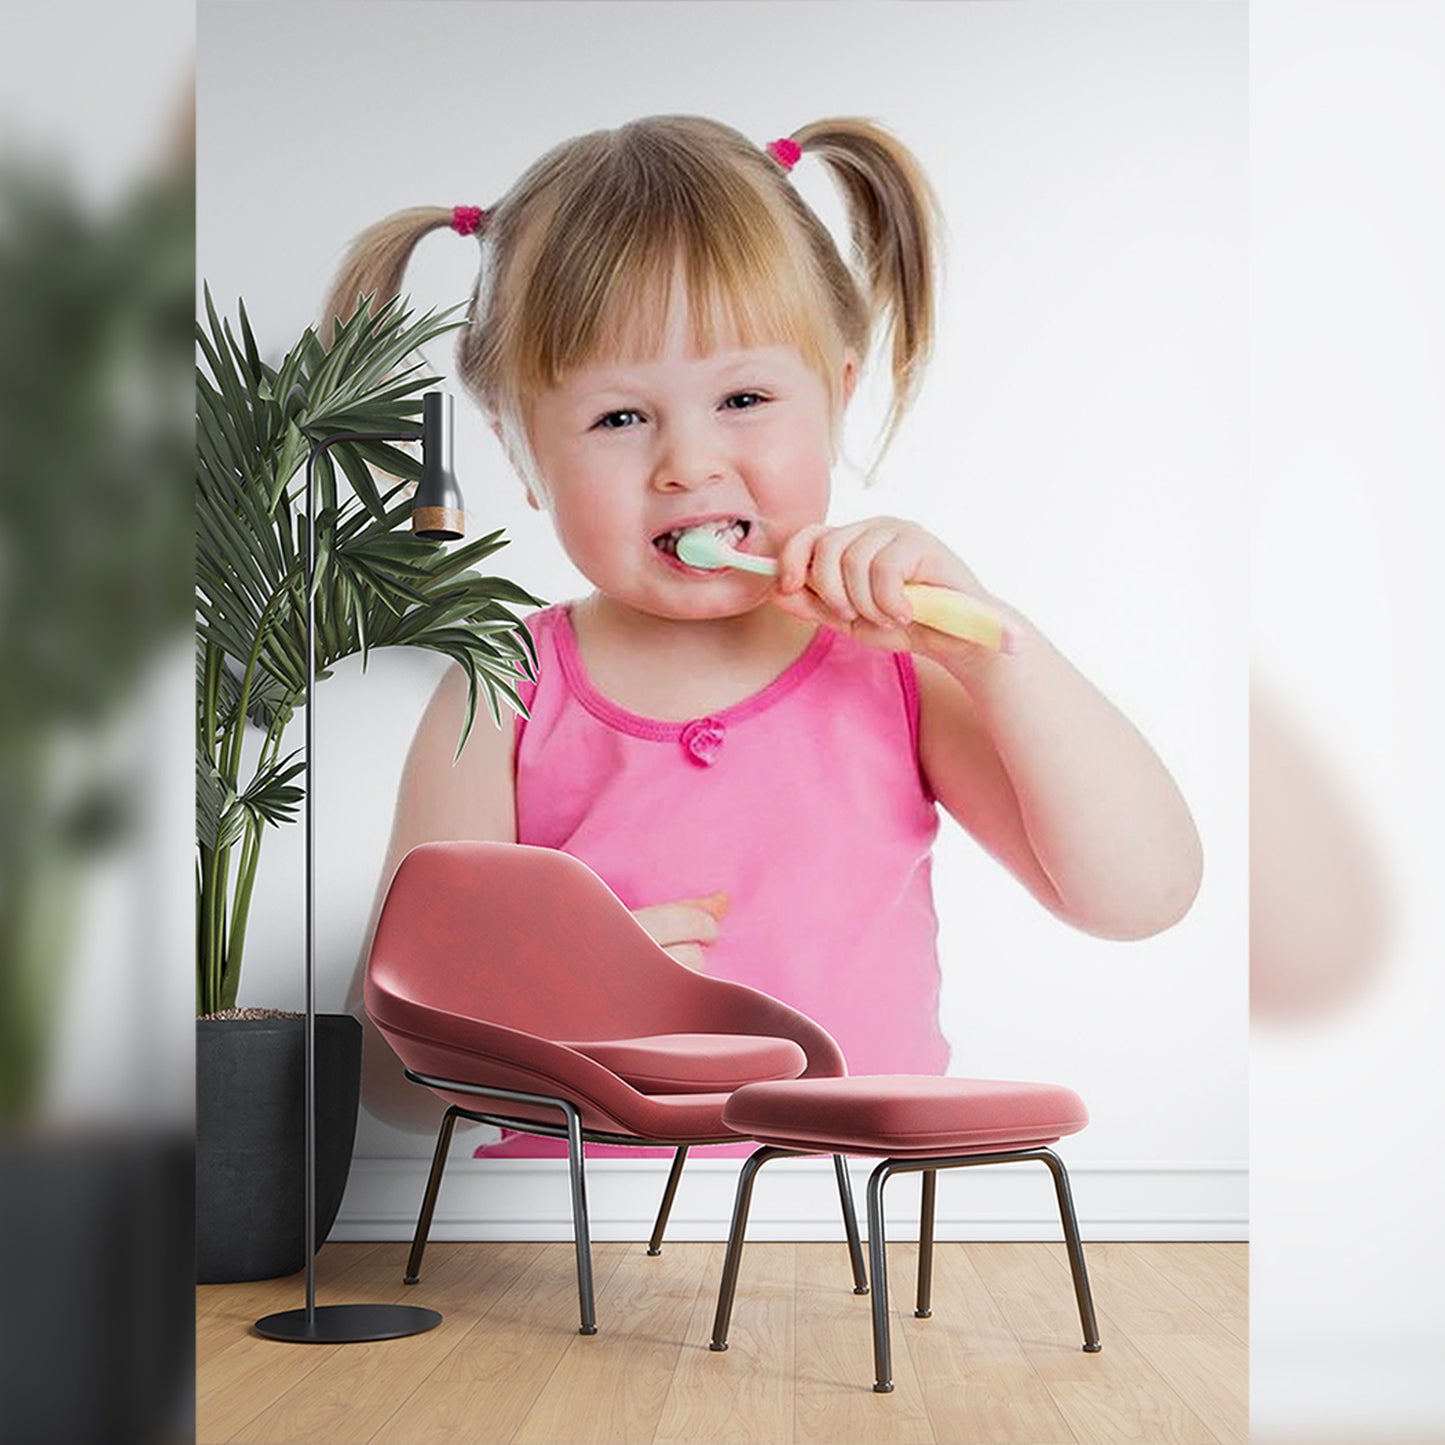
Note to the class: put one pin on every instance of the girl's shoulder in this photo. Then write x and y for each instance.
(889, 670)
(545, 620)
(549, 629)
(546, 627)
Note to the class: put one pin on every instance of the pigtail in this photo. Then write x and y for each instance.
(894, 219)
(375, 263)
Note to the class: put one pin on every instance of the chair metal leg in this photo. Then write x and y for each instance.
(1076, 1250)
(878, 1267)
(429, 1199)
(654, 1245)
(580, 1227)
(923, 1308)
(850, 1224)
(733, 1259)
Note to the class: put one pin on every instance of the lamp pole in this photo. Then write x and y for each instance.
(437, 515)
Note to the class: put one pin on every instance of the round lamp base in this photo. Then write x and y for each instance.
(348, 1324)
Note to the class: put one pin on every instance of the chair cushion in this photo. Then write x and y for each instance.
(695, 1063)
(904, 1115)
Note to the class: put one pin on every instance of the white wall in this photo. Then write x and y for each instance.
(1348, 446)
(1080, 440)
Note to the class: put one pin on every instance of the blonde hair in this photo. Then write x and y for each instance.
(580, 257)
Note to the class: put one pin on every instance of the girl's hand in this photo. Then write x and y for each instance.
(851, 579)
(684, 927)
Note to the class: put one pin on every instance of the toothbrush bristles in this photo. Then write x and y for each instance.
(701, 548)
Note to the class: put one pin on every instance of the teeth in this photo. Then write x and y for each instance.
(729, 533)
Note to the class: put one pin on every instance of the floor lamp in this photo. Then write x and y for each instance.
(436, 516)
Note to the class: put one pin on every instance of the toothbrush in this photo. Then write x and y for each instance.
(940, 608)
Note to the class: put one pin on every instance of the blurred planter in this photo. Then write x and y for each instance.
(250, 1140)
(97, 1309)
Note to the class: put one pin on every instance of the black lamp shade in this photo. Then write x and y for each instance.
(438, 513)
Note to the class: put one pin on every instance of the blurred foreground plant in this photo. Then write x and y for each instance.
(95, 313)
(376, 584)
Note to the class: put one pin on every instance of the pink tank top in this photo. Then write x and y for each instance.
(804, 803)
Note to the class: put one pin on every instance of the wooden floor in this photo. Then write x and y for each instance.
(999, 1362)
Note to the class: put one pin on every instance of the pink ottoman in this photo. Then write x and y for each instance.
(918, 1123)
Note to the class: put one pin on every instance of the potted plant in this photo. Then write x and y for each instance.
(376, 585)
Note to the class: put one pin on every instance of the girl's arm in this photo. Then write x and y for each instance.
(1020, 748)
(473, 798)
(1054, 781)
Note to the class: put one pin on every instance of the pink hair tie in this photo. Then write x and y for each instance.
(467, 220)
(785, 151)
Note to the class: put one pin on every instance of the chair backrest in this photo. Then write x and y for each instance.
(529, 938)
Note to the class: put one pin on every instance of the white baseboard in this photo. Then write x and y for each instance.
(794, 1199)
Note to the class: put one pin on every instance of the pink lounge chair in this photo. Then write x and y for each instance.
(513, 983)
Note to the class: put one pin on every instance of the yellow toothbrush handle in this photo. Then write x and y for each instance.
(945, 610)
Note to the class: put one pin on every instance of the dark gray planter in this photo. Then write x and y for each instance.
(250, 1140)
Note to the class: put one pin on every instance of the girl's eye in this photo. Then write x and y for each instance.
(618, 420)
(744, 400)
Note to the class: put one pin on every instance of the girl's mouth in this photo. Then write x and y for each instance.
(731, 531)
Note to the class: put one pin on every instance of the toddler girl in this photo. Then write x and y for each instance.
(663, 335)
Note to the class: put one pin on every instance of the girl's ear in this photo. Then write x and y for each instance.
(847, 385)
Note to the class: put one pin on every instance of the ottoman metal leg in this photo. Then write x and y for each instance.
(1076, 1250)
(878, 1266)
(923, 1309)
(882, 1349)
(734, 1256)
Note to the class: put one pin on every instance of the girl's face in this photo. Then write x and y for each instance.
(631, 452)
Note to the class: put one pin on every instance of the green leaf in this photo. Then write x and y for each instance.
(362, 482)
(269, 798)
(213, 800)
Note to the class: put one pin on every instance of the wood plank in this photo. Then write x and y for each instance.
(459, 1412)
(355, 1389)
(481, 1392)
(1210, 1374)
(743, 1395)
(1113, 1398)
(1131, 1294)
(609, 1388)
(238, 1372)
(1215, 1276)
(536, 1311)
(1139, 1297)
(834, 1399)
(998, 1364)
(1229, 1256)
(979, 1386)
(240, 1384)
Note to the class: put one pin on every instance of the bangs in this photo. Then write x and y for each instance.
(603, 275)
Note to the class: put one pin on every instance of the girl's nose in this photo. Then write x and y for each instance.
(688, 459)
